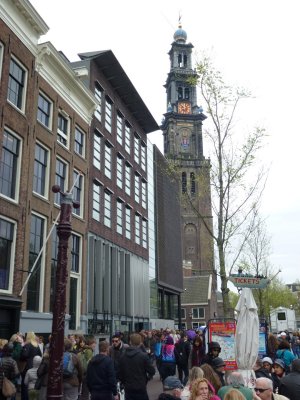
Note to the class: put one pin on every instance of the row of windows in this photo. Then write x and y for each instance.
(123, 223)
(196, 313)
(16, 95)
(123, 128)
(10, 165)
(38, 230)
(103, 161)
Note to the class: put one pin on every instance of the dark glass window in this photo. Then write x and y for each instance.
(9, 165)
(16, 83)
(6, 248)
(77, 192)
(73, 303)
(193, 183)
(60, 179)
(35, 245)
(79, 142)
(44, 110)
(40, 169)
(75, 251)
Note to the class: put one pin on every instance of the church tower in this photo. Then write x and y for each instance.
(183, 145)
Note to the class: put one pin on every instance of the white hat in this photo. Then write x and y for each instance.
(268, 360)
(283, 333)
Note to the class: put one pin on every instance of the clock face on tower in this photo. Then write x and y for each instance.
(184, 107)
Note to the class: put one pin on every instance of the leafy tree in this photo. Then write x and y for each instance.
(237, 180)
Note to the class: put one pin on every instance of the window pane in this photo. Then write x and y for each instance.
(79, 142)
(6, 248)
(128, 223)
(16, 82)
(77, 192)
(98, 95)
(60, 179)
(44, 110)
(107, 209)
(97, 151)
(40, 168)
(75, 253)
(108, 115)
(119, 129)
(107, 161)
(73, 302)
(96, 201)
(127, 138)
(120, 172)
(9, 165)
(120, 217)
(63, 130)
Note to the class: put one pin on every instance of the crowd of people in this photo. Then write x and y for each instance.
(188, 368)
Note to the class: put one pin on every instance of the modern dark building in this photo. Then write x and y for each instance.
(183, 147)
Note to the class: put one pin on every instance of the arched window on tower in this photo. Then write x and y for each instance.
(193, 183)
(186, 93)
(183, 182)
(180, 93)
(180, 60)
(185, 60)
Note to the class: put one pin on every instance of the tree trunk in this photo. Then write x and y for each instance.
(224, 288)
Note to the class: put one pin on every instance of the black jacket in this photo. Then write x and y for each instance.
(135, 369)
(182, 352)
(100, 375)
(289, 386)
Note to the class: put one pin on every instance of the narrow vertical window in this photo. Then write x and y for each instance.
(120, 171)
(17, 84)
(120, 129)
(96, 201)
(137, 229)
(128, 222)
(44, 111)
(107, 160)
(108, 114)
(60, 179)
(127, 138)
(40, 170)
(63, 126)
(144, 194)
(127, 179)
(10, 165)
(97, 150)
(79, 142)
(144, 233)
(143, 156)
(98, 95)
(193, 183)
(7, 251)
(183, 182)
(120, 217)
(78, 193)
(75, 253)
(136, 149)
(137, 188)
(107, 209)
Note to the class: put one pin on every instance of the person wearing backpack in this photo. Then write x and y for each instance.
(284, 353)
(182, 352)
(72, 373)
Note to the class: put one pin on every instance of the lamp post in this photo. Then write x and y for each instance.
(64, 229)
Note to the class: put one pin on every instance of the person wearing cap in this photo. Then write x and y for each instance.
(267, 364)
(279, 372)
(263, 390)
(219, 367)
(236, 381)
(289, 385)
(172, 388)
(214, 349)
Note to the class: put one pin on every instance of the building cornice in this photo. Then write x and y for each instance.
(61, 77)
(22, 18)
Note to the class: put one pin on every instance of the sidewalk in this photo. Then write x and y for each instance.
(154, 387)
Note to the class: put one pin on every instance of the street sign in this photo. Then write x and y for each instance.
(249, 281)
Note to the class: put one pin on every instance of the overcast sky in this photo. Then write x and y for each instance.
(255, 44)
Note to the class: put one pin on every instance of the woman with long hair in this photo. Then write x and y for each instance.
(203, 390)
(211, 376)
(197, 352)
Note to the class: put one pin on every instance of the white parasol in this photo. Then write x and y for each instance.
(247, 331)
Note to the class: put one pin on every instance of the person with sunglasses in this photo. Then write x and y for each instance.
(263, 390)
(116, 350)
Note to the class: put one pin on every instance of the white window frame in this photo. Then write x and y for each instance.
(120, 171)
(144, 233)
(144, 194)
(137, 228)
(108, 114)
(80, 180)
(128, 170)
(1, 57)
(80, 145)
(120, 128)
(136, 146)
(127, 138)
(120, 216)
(97, 149)
(107, 214)
(64, 189)
(60, 133)
(183, 326)
(96, 210)
(23, 100)
(47, 171)
(14, 199)
(50, 102)
(99, 97)
(12, 254)
(198, 308)
(143, 156)
(137, 179)
(107, 160)
(128, 222)
(77, 276)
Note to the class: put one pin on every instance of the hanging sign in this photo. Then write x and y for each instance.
(249, 281)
